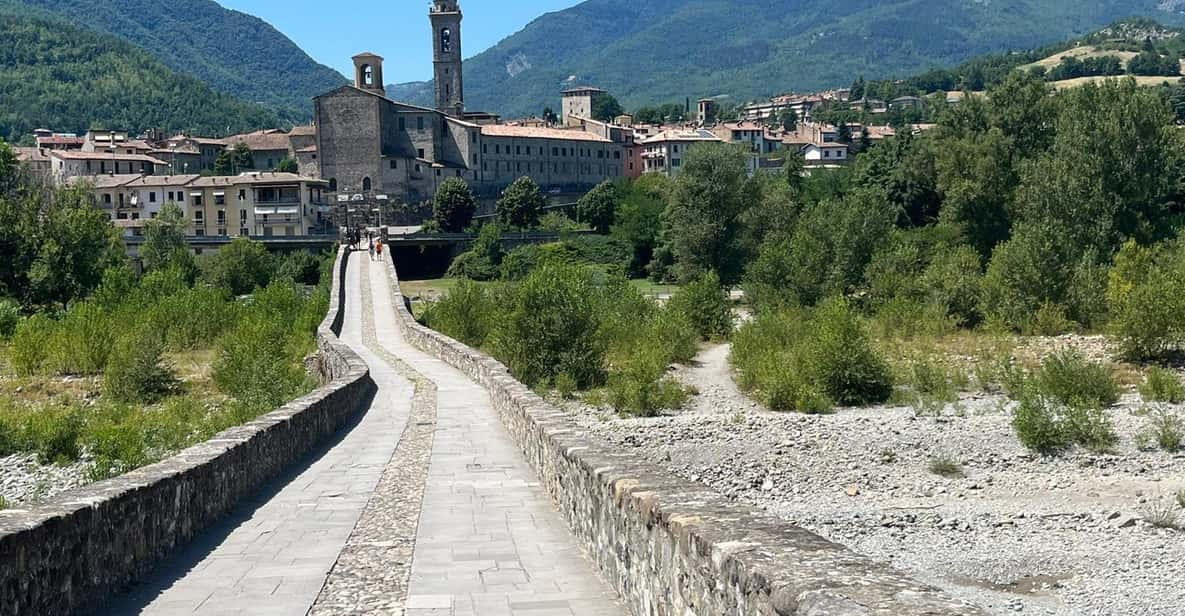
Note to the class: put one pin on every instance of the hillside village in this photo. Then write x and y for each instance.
(592, 139)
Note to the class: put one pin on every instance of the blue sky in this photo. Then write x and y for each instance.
(332, 31)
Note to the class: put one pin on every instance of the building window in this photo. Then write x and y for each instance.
(438, 173)
(243, 232)
(221, 218)
(419, 122)
(107, 198)
(199, 233)
(197, 216)
(473, 136)
(332, 184)
(197, 201)
(242, 194)
(219, 199)
(446, 40)
(458, 173)
(485, 149)
(152, 197)
(392, 163)
(555, 151)
(243, 215)
(365, 184)
(420, 153)
(402, 124)
(417, 167)
(497, 149)
(518, 151)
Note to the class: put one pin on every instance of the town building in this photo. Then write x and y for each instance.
(268, 147)
(663, 152)
(254, 204)
(368, 144)
(67, 164)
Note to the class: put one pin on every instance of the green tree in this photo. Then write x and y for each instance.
(239, 267)
(638, 220)
(703, 219)
(550, 116)
(288, 165)
(521, 204)
(73, 243)
(454, 206)
(243, 158)
(225, 163)
(857, 91)
(605, 107)
(164, 236)
(598, 207)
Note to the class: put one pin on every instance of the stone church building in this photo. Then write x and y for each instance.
(368, 143)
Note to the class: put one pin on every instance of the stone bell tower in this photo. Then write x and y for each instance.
(446, 52)
(368, 72)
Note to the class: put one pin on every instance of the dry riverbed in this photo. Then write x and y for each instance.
(1014, 532)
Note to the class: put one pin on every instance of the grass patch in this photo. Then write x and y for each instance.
(945, 465)
(1162, 385)
(1162, 513)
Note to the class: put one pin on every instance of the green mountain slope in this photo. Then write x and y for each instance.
(666, 50)
(60, 77)
(231, 51)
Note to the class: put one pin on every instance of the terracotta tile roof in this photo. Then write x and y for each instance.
(102, 182)
(148, 181)
(268, 177)
(261, 141)
(57, 140)
(76, 155)
(532, 132)
(680, 135)
(303, 131)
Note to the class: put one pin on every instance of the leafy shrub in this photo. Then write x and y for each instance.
(905, 318)
(10, 315)
(1047, 426)
(301, 266)
(926, 376)
(52, 432)
(81, 341)
(551, 328)
(135, 371)
(193, 318)
(1147, 308)
(954, 281)
(637, 384)
(1026, 272)
(28, 352)
(481, 262)
(1069, 378)
(600, 250)
(805, 362)
(1163, 385)
(705, 304)
(841, 359)
(1166, 429)
(467, 314)
(1050, 320)
(239, 267)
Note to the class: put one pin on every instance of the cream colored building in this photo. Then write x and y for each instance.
(663, 152)
(257, 204)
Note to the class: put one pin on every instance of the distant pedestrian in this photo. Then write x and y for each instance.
(370, 241)
(379, 248)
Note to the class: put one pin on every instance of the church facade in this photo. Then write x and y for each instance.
(368, 143)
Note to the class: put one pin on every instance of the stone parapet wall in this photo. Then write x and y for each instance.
(671, 547)
(69, 554)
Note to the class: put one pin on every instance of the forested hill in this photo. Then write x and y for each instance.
(65, 78)
(662, 51)
(232, 52)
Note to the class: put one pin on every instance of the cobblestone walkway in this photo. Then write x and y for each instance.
(490, 541)
(424, 508)
(272, 556)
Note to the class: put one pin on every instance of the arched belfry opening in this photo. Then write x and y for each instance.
(368, 72)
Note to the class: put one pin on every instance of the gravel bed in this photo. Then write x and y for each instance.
(1014, 532)
(25, 482)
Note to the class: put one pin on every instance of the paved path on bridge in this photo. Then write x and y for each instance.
(489, 541)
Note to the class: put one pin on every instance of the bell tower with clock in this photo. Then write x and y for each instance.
(446, 51)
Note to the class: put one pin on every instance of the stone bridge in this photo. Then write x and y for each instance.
(422, 479)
